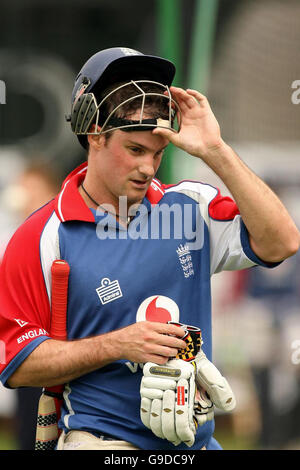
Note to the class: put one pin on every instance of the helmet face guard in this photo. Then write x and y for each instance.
(115, 65)
(86, 112)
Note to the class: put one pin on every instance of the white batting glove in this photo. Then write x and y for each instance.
(216, 386)
(167, 400)
(208, 377)
(212, 387)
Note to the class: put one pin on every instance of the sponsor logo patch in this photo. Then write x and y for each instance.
(158, 308)
(109, 291)
(180, 396)
(167, 371)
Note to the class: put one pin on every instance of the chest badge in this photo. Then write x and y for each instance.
(109, 290)
(185, 259)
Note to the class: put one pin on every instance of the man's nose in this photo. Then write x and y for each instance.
(146, 167)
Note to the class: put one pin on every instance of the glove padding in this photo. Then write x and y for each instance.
(179, 396)
(167, 401)
(203, 407)
(212, 387)
(216, 386)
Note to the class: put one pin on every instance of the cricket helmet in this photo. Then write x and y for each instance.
(115, 65)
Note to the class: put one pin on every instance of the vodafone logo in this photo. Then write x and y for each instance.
(158, 308)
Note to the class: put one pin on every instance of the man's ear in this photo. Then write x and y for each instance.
(95, 140)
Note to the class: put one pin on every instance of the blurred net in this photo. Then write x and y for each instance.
(257, 60)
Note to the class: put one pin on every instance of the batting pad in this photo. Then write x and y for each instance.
(46, 431)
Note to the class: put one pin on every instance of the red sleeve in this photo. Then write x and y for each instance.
(24, 302)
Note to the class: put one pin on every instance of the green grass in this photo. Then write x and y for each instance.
(7, 441)
(229, 441)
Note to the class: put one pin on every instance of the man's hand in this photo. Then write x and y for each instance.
(147, 341)
(199, 134)
(167, 401)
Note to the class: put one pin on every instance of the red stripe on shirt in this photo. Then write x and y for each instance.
(222, 208)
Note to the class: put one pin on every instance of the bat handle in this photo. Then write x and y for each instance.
(60, 271)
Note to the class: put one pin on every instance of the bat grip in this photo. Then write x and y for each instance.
(59, 298)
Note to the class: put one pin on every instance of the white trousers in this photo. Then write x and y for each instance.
(82, 440)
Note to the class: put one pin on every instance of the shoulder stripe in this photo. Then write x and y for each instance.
(49, 249)
(59, 202)
(207, 191)
(220, 208)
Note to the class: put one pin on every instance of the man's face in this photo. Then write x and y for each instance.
(125, 165)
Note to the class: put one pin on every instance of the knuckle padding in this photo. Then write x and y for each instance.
(145, 411)
(170, 389)
(155, 418)
(182, 423)
(168, 410)
(162, 384)
(152, 393)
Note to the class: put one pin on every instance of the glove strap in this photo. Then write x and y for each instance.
(193, 339)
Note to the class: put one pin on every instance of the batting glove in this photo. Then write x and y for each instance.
(167, 401)
(216, 386)
(211, 387)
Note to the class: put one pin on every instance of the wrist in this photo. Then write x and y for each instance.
(109, 348)
(217, 150)
(221, 159)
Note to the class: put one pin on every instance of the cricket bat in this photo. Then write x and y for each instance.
(47, 431)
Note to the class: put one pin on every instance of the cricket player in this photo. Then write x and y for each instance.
(141, 256)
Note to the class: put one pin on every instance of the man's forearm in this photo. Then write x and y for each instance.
(56, 362)
(273, 234)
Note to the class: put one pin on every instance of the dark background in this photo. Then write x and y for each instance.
(43, 46)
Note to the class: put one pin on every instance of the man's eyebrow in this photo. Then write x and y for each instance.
(137, 144)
